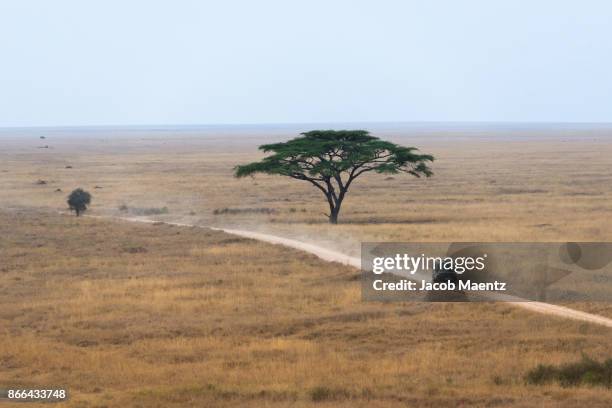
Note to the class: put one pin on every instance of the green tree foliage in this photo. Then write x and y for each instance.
(78, 200)
(331, 160)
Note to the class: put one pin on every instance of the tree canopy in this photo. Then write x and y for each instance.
(78, 200)
(331, 160)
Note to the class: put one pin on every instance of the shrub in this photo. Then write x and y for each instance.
(220, 211)
(322, 393)
(150, 211)
(585, 372)
(78, 200)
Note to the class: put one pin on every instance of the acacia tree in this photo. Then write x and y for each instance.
(78, 200)
(331, 160)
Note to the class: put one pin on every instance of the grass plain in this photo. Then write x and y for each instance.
(152, 315)
(490, 184)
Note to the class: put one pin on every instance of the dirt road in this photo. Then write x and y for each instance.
(335, 256)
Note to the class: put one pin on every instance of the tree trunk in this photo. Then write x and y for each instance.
(333, 217)
(77, 212)
(334, 204)
(334, 212)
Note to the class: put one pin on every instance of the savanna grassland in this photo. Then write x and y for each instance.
(490, 183)
(125, 314)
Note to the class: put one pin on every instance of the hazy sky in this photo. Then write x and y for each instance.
(197, 62)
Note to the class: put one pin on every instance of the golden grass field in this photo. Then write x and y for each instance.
(161, 316)
(124, 314)
(489, 185)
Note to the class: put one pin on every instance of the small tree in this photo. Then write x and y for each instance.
(331, 160)
(78, 200)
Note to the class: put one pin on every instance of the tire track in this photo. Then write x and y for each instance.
(330, 255)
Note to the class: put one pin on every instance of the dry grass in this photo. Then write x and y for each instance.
(145, 315)
(161, 316)
(530, 186)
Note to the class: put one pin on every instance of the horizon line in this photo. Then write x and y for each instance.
(243, 124)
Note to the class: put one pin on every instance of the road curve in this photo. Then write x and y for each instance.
(335, 256)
